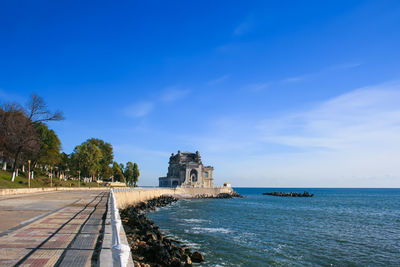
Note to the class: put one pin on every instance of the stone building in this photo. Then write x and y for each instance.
(186, 170)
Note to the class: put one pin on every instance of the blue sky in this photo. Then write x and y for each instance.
(272, 93)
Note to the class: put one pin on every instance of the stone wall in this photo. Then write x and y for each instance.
(16, 191)
(126, 197)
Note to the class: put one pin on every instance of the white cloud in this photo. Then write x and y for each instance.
(244, 27)
(218, 80)
(241, 29)
(143, 108)
(139, 109)
(344, 66)
(362, 117)
(257, 87)
(308, 76)
(172, 94)
(296, 79)
(351, 140)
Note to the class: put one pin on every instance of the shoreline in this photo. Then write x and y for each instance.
(126, 197)
(149, 247)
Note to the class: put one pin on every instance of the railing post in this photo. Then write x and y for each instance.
(120, 252)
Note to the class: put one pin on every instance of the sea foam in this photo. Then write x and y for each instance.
(195, 220)
(210, 230)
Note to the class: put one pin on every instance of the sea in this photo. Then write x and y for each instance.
(336, 227)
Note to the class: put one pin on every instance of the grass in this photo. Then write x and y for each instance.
(39, 181)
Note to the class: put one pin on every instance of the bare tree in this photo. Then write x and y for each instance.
(17, 130)
(37, 111)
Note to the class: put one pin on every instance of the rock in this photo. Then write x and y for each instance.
(151, 236)
(291, 194)
(142, 249)
(176, 263)
(233, 194)
(187, 260)
(162, 254)
(197, 257)
(188, 252)
(148, 245)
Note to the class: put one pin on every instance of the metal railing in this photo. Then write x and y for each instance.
(120, 252)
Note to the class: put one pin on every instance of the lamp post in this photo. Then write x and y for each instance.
(29, 173)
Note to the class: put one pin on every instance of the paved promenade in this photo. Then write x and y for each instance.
(52, 229)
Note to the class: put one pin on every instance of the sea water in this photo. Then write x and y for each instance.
(336, 227)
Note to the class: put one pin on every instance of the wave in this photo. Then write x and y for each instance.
(191, 245)
(198, 230)
(195, 220)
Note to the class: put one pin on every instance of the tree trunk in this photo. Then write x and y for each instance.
(15, 162)
(23, 168)
(5, 165)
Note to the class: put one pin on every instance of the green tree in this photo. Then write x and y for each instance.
(136, 174)
(107, 172)
(129, 172)
(117, 173)
(93, 158)
(64, 164)
(86, 158)
(50, 145)
(107, 156)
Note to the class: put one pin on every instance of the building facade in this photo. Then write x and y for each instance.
(186, 170)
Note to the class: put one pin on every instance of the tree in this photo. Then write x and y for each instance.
(93, 158)
(136, 174)
(37, 111)
(129, 172)
(18, 134)
(64, 163)
(106, 158)
(50, 145)
(107, 172)
(117, 172)
(86, 158)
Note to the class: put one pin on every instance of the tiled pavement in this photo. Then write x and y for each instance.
(67, 237)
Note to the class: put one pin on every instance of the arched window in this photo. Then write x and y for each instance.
(193, 176)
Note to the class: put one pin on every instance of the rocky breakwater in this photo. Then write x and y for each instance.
(291, 194)
(220, 195)
(148, 245)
